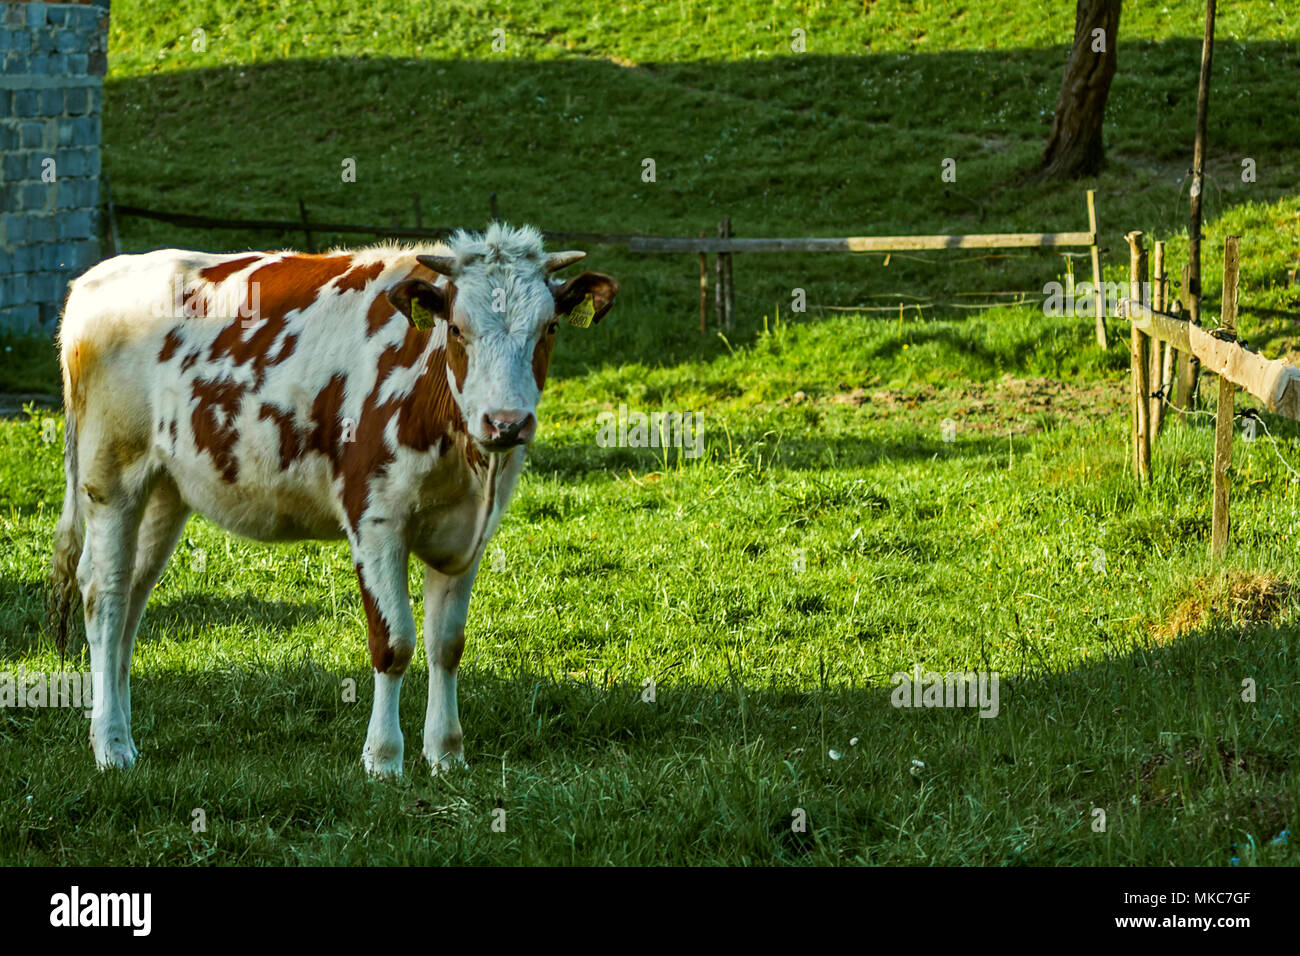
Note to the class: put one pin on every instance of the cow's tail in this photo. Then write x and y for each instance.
(69, 536)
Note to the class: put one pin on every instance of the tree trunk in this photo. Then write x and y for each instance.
(1075, 147)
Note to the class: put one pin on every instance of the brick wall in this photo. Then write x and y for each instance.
(54, 59)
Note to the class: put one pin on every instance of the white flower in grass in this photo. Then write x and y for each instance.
(835, 755)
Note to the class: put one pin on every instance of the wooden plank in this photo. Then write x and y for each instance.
(1138, 360)
(1159, 325)
(861, 243)
(1275, 382)
(1095, 251)
(1227, 390)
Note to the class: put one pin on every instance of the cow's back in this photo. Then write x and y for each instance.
(238, 374)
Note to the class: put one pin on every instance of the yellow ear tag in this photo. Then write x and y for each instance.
(421, 317)
(582, 313)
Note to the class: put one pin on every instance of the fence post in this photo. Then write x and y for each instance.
(704, 291)
(1192, 369)
(1158, 348)
(1170, 353)
(114, 238)
(1138, 343)
(306, 224)
(731, 286)
(722, 278)
(1099, 296)
(1223, 418)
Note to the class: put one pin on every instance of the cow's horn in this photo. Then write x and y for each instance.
(443, 265)
(558, 260)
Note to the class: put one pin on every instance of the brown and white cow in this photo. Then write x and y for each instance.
(383, 395)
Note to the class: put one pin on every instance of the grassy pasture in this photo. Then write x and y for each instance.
(1022, 546)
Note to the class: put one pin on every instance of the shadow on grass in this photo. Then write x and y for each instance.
(22, 617)
(1158, 736)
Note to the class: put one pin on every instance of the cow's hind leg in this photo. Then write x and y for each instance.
(160, 529)
(104, 574)
(446, 605)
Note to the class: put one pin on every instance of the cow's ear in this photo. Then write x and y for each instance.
(420, 301)
(586, 298)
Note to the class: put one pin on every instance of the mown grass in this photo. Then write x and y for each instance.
(1022, 546)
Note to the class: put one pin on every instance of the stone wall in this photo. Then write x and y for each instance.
(54, 60)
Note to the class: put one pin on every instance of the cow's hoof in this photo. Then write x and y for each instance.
(118, 754)
(113, 749)
(382, 764)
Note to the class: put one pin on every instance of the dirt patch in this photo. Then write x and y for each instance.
(1235, 598)
(1008, 404)
(1160, 776)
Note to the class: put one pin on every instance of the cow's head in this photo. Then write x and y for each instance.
(499, 311)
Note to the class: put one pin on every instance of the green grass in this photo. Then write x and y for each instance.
(824, 446)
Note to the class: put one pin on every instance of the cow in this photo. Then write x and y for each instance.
(384, 395)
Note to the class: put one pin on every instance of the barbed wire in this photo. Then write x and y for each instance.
(1250, 413)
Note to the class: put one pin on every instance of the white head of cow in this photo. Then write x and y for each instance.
(499, 310)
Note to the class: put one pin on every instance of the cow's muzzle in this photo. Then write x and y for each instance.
(505, 429)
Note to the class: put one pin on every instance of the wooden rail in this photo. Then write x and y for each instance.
(1275, 382)
(1008, 240)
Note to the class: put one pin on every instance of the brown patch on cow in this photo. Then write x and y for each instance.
(195, 303)
(385, 658)
(542, 356)
(287, 285)
(358, 277)
(213, 424)
(448, 654)
(431, 416)
(457, 360)
(171, 343)
(77, 362)
(368, 455)
(381, 655)
(286, 349)
(377, 316)
(225, 270)
(291, 441)
(187, 363)
(328, 429)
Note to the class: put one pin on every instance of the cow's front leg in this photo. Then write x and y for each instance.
(381, 569)
(446, 605)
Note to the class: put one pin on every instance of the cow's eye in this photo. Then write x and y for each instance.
(456, 333)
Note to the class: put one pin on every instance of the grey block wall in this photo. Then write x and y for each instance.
(51, 91)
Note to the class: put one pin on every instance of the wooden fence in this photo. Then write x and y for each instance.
(726, 245)
(1156, 334)
(723, 247)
